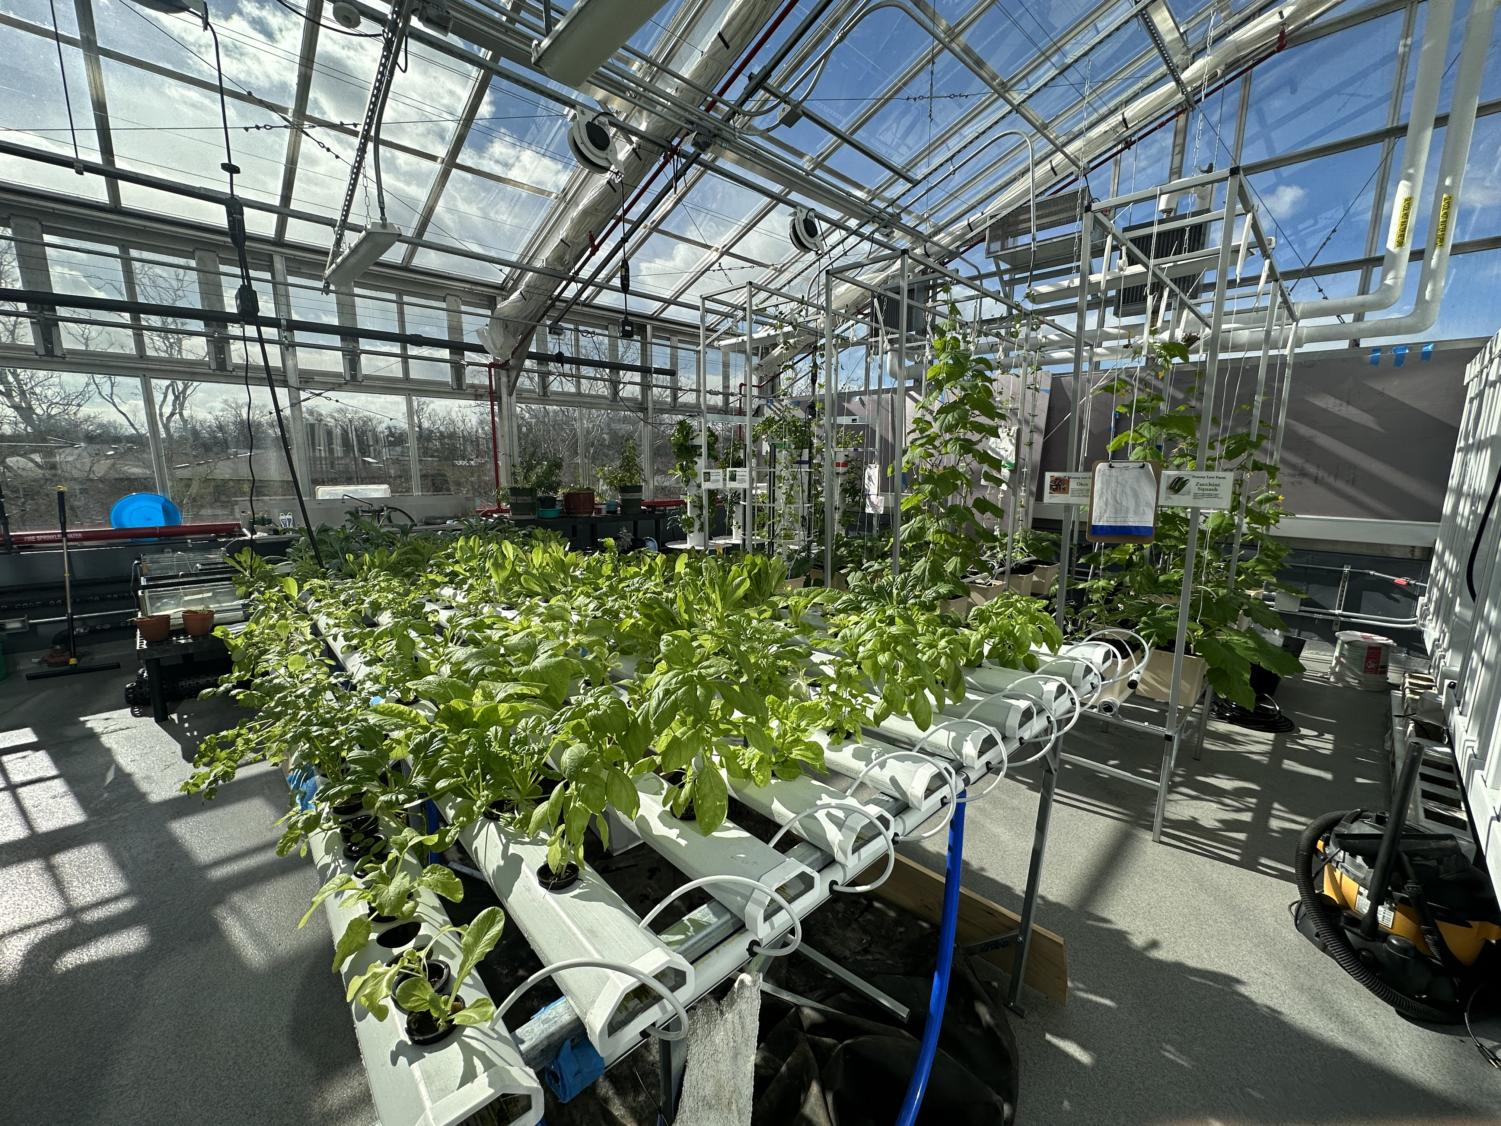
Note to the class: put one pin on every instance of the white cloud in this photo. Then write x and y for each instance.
(1283, 201)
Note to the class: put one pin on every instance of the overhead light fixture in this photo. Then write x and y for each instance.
(175, 7)
(590, 32)
(346, 15)
(591, 143)
(804, 231)
(363, 253)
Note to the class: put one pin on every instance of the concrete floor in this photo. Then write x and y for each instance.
(152, 972)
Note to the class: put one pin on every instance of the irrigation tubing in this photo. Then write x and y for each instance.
(917, 1086)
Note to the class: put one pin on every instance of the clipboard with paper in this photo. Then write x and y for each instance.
(1122, 502)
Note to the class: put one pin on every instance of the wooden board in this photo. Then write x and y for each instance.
(919, 890)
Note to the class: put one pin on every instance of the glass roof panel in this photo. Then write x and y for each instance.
(33, 112)
(712, 210)
(478, 213)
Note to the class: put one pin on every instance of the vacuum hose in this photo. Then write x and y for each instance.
(918, 1084)
(1331, 934)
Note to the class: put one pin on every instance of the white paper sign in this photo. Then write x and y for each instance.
(713, 479)
(1184, 488)
(1066, 488)
(737, 478)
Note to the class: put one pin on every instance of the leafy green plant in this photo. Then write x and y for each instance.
(625, 472)
(393, 888)
(1139, 584)
(952, 463)
(406, 976)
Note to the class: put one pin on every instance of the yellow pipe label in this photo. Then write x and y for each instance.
(1445, 206)
(1404, 222)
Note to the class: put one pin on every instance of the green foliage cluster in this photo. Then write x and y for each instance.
(1138, 584)
(948, 515)
(625, 472)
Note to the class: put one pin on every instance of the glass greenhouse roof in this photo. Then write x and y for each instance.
(475, 162)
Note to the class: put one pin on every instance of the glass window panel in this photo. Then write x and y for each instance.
(357, 439)
(163, 280)
(454, 452)
(83, 431)
(212, 455)
(90, 270)
(315, 351)
(1319, 209)
(1332, 87)
(606, 433)
(547, 433)
(485, 215)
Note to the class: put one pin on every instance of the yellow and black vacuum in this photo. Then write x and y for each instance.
(1407, 914)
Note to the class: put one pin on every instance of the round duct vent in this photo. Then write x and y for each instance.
(591, 143)
(805, 233)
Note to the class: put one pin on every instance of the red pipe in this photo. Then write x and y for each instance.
(104, 535)
(494, 432)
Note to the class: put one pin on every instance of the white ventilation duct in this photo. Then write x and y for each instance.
(588, 204)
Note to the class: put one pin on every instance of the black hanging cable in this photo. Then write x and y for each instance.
(62, 69)
(247, 303)
(249, 424)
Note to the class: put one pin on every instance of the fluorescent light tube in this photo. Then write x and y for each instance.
(363, 253)
(588, 34)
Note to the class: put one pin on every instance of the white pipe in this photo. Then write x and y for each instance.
(1444, 213)
(1420, 124)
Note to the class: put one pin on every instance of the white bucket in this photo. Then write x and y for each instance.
(1361, 660)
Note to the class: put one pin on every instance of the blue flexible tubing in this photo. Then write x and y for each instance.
(917, 1086)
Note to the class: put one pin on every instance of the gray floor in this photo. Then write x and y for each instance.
(152, 973)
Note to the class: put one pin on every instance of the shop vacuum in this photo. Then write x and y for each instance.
(1407, 914)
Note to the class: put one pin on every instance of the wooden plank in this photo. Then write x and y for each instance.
(919, 890)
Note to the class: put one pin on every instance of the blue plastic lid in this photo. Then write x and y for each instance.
(144, 510)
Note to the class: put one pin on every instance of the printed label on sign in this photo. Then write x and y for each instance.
(736, 478)
(1066, 488)
(1183, 488)
(714, 479)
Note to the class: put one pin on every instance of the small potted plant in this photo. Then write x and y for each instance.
(624, 479)
(198, 622)
(543, 476)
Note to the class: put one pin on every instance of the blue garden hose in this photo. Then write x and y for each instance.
(917, 1086)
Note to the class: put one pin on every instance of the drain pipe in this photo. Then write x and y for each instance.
(1420, 122)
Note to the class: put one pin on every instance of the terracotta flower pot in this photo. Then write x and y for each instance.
(198, 623)
(154, 627)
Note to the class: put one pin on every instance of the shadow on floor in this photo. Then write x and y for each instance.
(150, 935)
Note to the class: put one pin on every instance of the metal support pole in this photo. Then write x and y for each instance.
(1075, 451)
(1195, 515)
(1034, 876)
(899, 420)
(830, 407)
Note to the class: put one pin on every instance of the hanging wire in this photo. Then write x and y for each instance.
(62, 69)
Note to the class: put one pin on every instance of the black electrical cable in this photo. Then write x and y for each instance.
(249, 425)
(1486, 1053)
(1480, 535)
(246, 301)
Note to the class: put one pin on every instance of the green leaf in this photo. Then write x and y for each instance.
(920, 710)
(711, 798)
(480, 937)
(441, 880)
(622, 793)
(415, 994)
(479, 1011)
(356, 935)
(289, 584)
